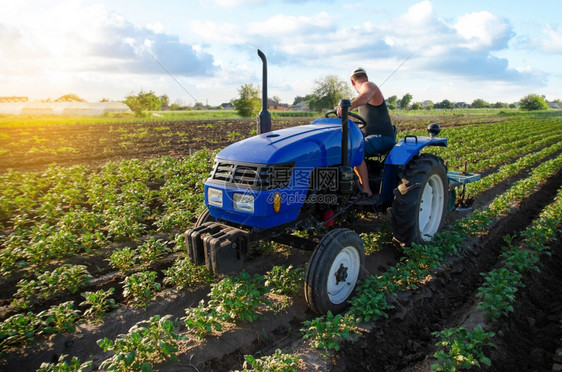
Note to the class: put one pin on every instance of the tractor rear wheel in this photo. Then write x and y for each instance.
(333, 271)
(420, 200)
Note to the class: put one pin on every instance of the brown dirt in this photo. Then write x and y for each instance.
(36, 147)
(403, 341)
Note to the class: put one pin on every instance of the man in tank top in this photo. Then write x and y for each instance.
(379, 133)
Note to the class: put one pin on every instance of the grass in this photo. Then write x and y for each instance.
(156, 117)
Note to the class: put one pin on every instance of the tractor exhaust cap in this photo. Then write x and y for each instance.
(264, 118)
(345, 104)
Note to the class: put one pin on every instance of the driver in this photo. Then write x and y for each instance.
(379, 134)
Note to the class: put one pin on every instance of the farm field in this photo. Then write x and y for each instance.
(93, 265)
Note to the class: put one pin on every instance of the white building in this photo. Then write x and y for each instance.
(62, 108)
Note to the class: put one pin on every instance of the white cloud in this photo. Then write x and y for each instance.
(283, 26)
(213, 50)
(157, 27)
(551, 40)
(106, 42)
(232, 3)
(483, 31)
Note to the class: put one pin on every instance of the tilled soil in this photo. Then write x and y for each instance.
(36, 147)
(403, 341)
(526, 341)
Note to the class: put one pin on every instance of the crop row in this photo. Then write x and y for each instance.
(511, 169)
(462, 348)
(231, 300)
(421, 261)
(240, 298)
(485, 146)
(68, 211)
(64, 212)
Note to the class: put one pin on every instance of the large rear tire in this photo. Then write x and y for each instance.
(420, 200)
(334, 269)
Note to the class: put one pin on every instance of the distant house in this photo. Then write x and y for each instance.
(38, 108)
(461, 105)
(13, 99)
(226, 106)
(554, 105)
(301, 106)
(276, 106)
(63, 108)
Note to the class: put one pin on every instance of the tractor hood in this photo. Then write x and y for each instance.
(315, 145)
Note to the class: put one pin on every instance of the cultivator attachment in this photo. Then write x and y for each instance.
(220, 247)
(462, 202)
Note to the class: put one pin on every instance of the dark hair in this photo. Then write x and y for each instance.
(359, 76)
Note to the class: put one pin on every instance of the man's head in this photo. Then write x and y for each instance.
(358, 76)
(358, 73)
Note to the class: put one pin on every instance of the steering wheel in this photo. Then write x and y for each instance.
(361, 123)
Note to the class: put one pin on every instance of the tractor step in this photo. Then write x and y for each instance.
(369, 200)
(220, 247)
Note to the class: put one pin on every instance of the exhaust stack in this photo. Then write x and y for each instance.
(264, 118)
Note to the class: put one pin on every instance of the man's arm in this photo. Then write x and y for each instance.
(366, 93)
(368, 90)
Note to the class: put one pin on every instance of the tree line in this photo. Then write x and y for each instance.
(326, 94)
(328, 90)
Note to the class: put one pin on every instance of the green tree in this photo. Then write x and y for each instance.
(391, 102)
(248, 104)
(445, 104)
(310, 100)
(165, 102)
(143, 102)
(329, 90)
(405, 101)
(416, 106)
(500, 105)
(71, 97)
(532, 102)
(479, 103)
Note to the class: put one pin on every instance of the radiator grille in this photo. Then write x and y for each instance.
(260, 176)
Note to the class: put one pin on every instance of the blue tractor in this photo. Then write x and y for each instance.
(301, 178)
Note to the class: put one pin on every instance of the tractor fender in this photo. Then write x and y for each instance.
(400, 155)
(409, 146)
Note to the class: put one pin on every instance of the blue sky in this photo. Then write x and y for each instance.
(496, 50)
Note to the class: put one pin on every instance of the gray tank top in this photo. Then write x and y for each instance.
(378, 120)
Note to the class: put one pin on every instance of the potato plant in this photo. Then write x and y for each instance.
(461, 349)
(146, 343)
(98, 303)
(328, 331)
(63, 365)
(141, 287)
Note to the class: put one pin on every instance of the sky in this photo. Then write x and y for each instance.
(204, 51)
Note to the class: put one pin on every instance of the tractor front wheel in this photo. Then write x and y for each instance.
(205, 216)
(333, 271)
(420, 200)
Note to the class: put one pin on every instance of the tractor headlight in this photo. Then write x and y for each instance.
(243, 202)
(214, 197)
